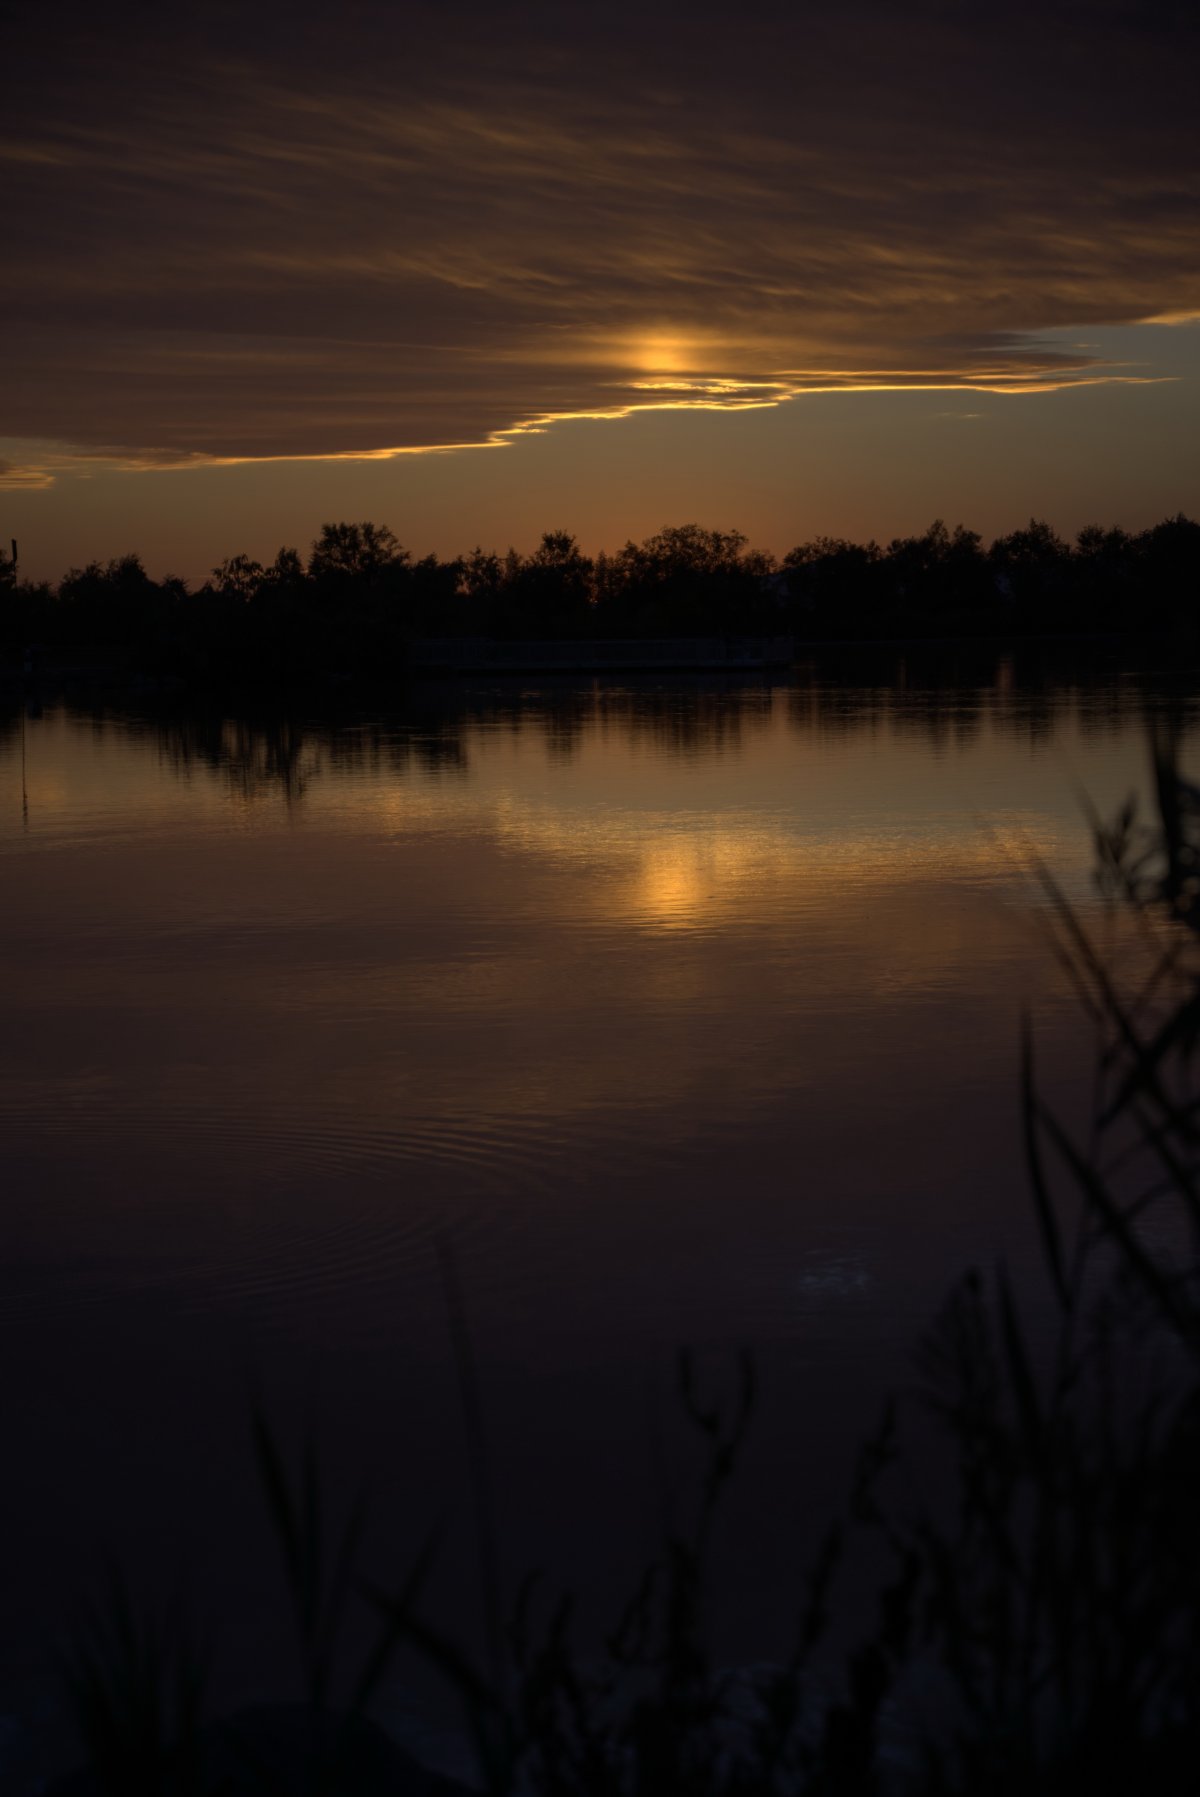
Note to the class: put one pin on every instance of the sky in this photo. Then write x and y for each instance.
(480, 271)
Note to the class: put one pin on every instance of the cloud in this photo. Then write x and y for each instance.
(40, 464)
(267, 239)
(16, 476)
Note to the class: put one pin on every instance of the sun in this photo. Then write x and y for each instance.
(662, 352)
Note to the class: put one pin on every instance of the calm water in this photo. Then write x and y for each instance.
(685, 1015)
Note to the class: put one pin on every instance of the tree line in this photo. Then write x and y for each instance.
(359, 597)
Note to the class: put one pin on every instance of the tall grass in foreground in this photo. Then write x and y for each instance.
(1037, 1627)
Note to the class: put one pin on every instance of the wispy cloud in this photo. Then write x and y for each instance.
(437, 237)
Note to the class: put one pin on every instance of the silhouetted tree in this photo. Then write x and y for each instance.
(833, 584)
(240, 578)
(1032, 569)
(1103, 571)
(1169, 557)
(360, 598)
(356, 599)
(286, 571)
(938, 576)
(432, 604)
(357, 550)
(552, 590)
(113, 603)
(689, 580)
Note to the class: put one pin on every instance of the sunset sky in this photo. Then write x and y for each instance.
(476, 272)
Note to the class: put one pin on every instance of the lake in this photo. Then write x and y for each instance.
(676, 1012)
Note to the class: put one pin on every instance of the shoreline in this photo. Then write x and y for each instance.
(439, 659)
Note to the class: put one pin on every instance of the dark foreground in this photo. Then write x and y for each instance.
(1033, 1621)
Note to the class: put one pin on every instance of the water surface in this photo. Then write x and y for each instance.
(685, 1013)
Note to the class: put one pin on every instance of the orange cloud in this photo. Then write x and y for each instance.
(308, 251)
